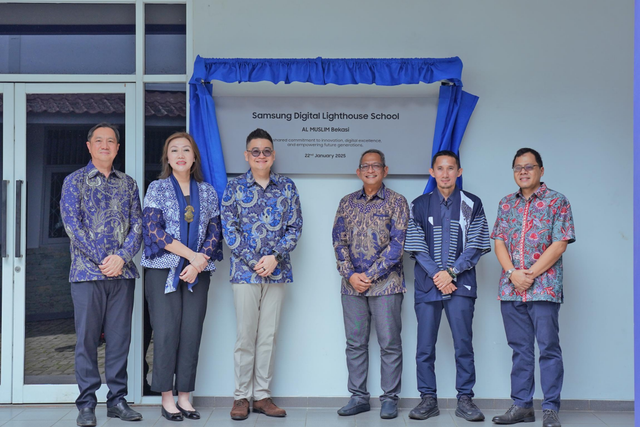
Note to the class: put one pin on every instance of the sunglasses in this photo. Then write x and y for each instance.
(256, 152)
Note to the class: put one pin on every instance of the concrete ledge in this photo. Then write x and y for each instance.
(410, 402)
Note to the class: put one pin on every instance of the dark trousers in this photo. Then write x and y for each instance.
(102, 305)
(524, 322)
(385, 311)
(459, 311)
(177, 320)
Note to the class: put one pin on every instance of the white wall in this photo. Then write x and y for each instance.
(553, 75)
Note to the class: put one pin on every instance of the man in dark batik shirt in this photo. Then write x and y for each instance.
(368, 236)
(100, 208)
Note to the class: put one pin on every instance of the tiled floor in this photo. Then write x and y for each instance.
(65, 415)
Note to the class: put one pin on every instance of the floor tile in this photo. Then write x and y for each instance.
(578, 417)
(65, 415)
(72, 423)
(29, 423)
(267, 422)
(9, 412)
(46, 413)
(616, 418)
(445, 419)
(228, 422)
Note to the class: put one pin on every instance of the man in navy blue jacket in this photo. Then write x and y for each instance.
(447, 235)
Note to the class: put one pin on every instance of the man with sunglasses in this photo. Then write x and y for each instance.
(447, 235)
(261, 223)
(531, 232)
(368, 237)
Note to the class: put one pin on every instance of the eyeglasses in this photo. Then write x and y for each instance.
(528, 168)
(376, 167)
(256, 152)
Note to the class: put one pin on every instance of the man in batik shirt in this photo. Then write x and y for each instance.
(100, 208)
(532, 231)
(368, 238)
(447, 235)
(261, 223)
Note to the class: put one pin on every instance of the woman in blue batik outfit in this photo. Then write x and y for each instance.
(181, 230)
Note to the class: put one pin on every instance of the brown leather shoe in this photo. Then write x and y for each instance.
(240, 410)
(267, 407)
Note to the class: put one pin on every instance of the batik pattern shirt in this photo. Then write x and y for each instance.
(368, 237)
(528, 228)
(102, 216)
(161, 225)
(260, 221)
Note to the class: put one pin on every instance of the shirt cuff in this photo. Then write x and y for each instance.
(124, 255)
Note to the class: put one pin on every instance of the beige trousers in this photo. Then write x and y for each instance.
(258, 308)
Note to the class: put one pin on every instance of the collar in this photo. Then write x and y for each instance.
(92, 171)
(252, 181)
(380, 194)
(539, 193)
(449, 199)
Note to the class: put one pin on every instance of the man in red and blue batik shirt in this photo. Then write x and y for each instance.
(532, 231)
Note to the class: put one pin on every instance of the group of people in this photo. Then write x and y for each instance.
(182, 224)
(446, 233)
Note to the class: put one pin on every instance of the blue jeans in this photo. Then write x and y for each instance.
(525, 322)
(459, 311)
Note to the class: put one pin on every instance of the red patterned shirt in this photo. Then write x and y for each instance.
(528, 228)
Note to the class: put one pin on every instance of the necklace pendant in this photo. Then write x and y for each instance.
(188, 213)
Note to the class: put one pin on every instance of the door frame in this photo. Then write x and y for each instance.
(57, 393)
(6, 357)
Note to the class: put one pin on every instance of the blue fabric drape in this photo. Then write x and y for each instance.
(320, 71)
(203, 126)
(455, 107)
(454, 110)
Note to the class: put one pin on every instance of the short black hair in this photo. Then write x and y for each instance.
(447, 153)
(114, 128)
(525, 150)
(259, 134)
(373, 151)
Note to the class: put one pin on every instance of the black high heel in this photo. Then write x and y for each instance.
(171, 417)
(192, 415)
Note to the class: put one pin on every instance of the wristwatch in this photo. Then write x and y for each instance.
(278, 256)
(451, 272)
(508, 273)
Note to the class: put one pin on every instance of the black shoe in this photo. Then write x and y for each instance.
(86, 417)
(427, 408)
(177, 416)
(516, 414)
(550, 418)
(468, 410)
(353, 408)
(192, 415)
(122, 411)
(389, 409)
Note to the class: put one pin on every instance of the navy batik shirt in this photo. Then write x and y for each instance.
(102, 217)
(260, 221)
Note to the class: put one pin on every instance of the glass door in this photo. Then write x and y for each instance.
(7, 226)
(51, 125)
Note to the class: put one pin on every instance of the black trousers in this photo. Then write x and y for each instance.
(176, 319)
(102, 305)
